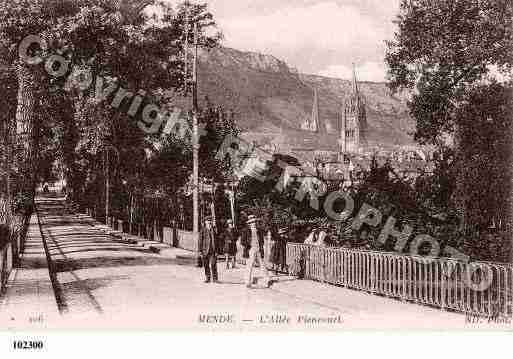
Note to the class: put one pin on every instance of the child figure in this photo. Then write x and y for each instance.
(230, 244)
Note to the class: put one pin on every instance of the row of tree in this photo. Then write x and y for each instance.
(52, 129)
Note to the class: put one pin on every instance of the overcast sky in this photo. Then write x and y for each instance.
(316, 36)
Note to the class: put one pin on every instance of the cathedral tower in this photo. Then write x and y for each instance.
(353, 121)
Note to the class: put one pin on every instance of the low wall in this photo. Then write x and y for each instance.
(6, 265)
(168, 237)
(172, 237)
(10, 250)
(181, 239)
(187, 240)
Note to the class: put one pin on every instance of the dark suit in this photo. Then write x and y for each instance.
(261, 238)
(208, 248)
(230, 241)
(246, 241)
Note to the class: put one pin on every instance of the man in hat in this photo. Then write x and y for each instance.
(281, 253)
(254, 254)
(208, 247)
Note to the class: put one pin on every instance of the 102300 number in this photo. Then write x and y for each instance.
(27, 345)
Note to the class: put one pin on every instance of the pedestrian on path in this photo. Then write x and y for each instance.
(261, 239)
(208, 247)
(254, 254)
(280, 250)
(230, 244)
(245, 242)
(317, 237)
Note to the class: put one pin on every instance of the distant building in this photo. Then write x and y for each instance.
(313, 123)
(324, 151)
(354, 121)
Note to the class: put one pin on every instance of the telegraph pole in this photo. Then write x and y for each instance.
(106, 168)
(186, 52)
(107, 187)
(195, 142)
(195, 145)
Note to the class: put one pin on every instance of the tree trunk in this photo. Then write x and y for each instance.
(27, 127)
(460, 198)
(131, 214)
(69, 145)
(6, 199)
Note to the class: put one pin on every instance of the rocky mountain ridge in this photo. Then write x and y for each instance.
(271, 100)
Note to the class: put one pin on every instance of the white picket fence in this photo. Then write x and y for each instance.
(479, 288)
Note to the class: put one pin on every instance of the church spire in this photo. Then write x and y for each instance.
(313, 123)
(315, 113)
(355, 80)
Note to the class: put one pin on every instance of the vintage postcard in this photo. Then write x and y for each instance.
(256, 165)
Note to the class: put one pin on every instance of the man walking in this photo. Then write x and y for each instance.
(254, 255)
(245, 241)
(208, 248)
(282, 249)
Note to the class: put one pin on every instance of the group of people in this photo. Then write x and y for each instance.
(317, 237)
(252, 240)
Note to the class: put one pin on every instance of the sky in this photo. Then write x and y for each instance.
(321, 37)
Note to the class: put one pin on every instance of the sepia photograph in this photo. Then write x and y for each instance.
(255, 166)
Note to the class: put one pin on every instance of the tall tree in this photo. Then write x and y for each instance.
(8, 105)
(21, 19)
(120, 41)
(444, 50)
(443, 47)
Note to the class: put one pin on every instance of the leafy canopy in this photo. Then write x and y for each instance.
(443, 47)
